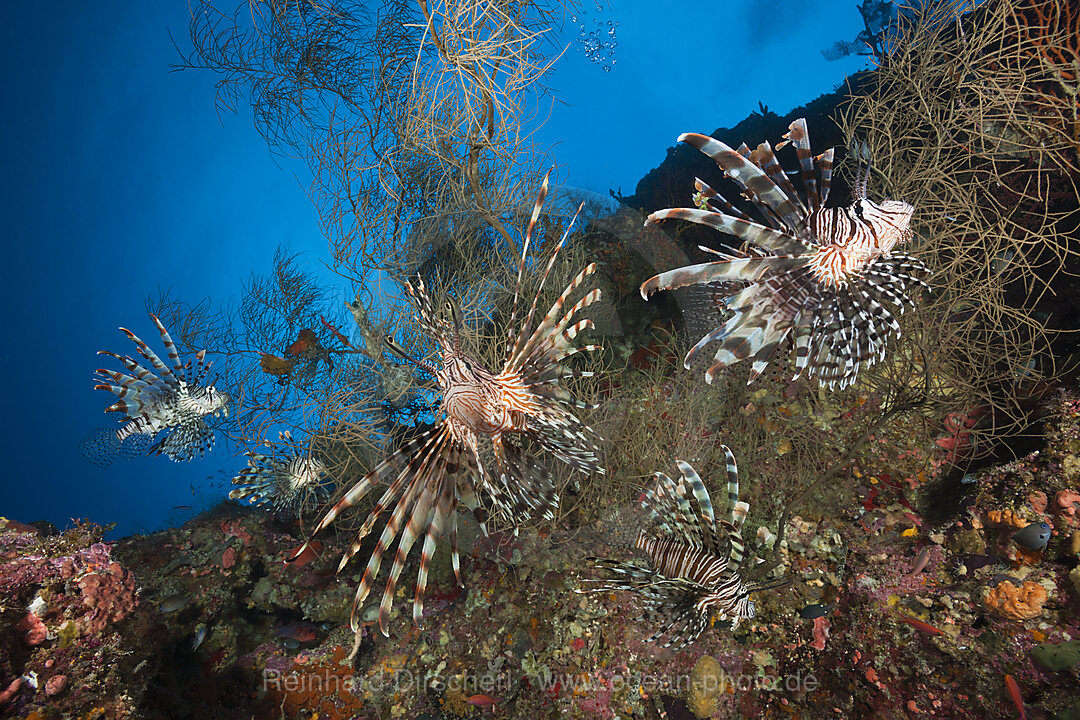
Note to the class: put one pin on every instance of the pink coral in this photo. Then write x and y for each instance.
(55, 685)
(110, 595)
(92, 559)
(1066, 505)
(1038, 501)
(228, 558)
(821, 631)
(8, 693)
(235, 528)
(33, 630)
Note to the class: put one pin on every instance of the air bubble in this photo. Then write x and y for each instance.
(594, 45)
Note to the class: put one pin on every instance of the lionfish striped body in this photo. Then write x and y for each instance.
(694, 561)
(173, 401)
(288, 481)
(821, 280)
(472, 445)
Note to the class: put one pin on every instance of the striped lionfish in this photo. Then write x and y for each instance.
(174, 401)
(472, 444)
(289, 481)
(694, 560)
(819, 279)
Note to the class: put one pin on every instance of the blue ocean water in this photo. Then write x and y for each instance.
(123, 179)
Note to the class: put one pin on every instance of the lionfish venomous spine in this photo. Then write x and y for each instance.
(173, 401)
(694, 561)
(481, 415)
(821, 280)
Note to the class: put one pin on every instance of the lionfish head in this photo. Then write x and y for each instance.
(218, 401)
(452, 324)
(890, 220)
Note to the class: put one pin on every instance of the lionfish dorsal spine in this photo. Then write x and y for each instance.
(750, 177)
(534, 218)
(527, 337)
(716, 201)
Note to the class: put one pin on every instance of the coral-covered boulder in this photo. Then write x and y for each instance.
(33, 630)
(1017, 603)
(110, 595)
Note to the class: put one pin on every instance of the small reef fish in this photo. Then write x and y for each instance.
(200, 635)
(176, 602)
(481, 700)
(816, 610)
(1017, 697)
(921, 561)
(919, 624)
(1034, 536)
(824, 282)
(297, 630)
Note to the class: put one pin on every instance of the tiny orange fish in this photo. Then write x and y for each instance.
(301, 555)
(297, 348)
(481, 700)
(337, 333)
(306, 342)
(1014, 692)
(919, 624)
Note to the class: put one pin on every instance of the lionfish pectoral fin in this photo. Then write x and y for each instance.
(445, 506)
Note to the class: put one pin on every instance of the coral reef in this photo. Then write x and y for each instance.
(910, 593)
(899, 594)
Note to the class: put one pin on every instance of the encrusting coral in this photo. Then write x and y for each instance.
(1017, 603)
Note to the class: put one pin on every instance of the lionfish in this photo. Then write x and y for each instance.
(173, 401)
(819, 279)
(474, 442)
(288, 481)
(694, 561)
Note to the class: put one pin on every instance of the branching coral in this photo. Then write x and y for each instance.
(956, 123)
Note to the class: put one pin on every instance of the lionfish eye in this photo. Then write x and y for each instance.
(858, 207)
